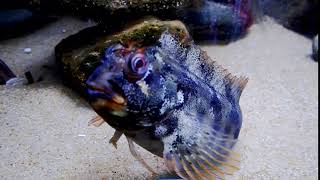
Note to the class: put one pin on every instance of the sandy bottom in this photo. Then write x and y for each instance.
(44, 132)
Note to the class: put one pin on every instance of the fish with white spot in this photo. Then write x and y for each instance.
(172, 100)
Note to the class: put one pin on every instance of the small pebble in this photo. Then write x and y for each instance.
(27, 50)
(63, 31)
(18, 81)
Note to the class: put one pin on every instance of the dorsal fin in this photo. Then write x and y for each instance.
(199, 63)
(236, 84)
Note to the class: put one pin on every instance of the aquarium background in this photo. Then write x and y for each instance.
(44, 122)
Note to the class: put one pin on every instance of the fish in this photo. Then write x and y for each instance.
(174, 101)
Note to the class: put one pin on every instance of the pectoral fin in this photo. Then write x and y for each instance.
(200, 153)
(96, 122)
(207, 159)
(115, 138)
(135, 154)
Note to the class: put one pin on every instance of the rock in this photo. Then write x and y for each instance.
(209, 20)
(16, 22)
(13, 4)
(78, 55)
(103, 10)
(298, 15)
(5, 73)
(315, 48)
(218, 20)
(18, 81)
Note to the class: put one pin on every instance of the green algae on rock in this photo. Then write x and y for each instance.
(79, 55)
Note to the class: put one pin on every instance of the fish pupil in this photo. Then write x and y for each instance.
(139, 63)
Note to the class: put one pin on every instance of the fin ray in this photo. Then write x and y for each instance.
(96, 122)
(188, 168)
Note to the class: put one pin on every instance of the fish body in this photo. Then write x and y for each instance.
(174, 101)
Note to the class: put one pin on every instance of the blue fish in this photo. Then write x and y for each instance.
(172, 100)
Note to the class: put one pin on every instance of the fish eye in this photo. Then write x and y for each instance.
(138, 64)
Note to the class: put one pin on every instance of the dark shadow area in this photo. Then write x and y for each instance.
(300, 16)
(5, 73)
(18, 22)
(168, 176)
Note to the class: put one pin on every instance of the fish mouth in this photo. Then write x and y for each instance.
(106, 100)
(107, 93)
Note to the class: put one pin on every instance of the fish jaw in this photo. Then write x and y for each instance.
(103, 92)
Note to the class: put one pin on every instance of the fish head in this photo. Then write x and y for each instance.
(132, 86)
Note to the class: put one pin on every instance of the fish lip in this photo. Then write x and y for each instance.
(96, 89)
(98, 94)
(107, 94)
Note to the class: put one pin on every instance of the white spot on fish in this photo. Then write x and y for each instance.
(180, 97)
(161, 130)
(144, 87)
(165, 106)
(158, 57)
